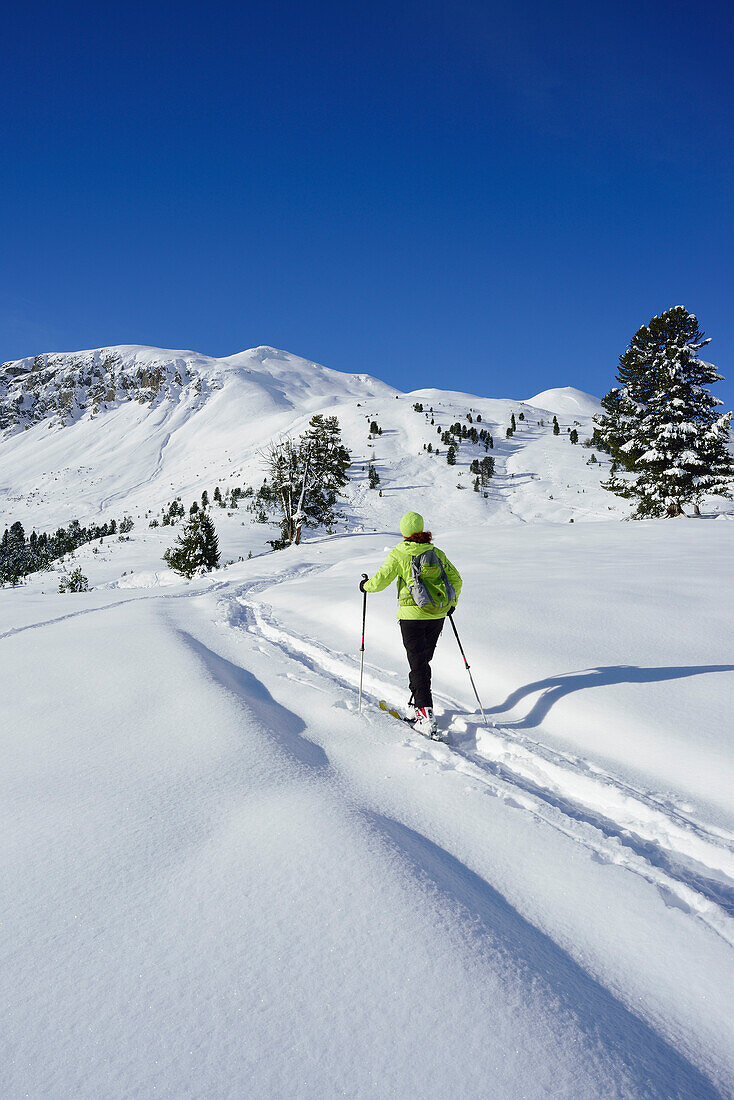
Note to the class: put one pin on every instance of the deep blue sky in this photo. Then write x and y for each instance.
(481, 196)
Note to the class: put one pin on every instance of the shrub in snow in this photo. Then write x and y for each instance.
(74, 581)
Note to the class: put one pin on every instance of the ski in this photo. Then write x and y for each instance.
(394, 713)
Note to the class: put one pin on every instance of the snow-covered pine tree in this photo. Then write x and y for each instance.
(196, 547)
(661, 425)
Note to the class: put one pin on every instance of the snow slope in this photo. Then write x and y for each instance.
(222, 882)
(566, 402)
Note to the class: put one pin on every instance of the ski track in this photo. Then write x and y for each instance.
(689, 862)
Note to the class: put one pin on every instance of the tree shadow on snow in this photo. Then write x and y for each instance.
(281, 724)
(554, 688)
(644, 1060)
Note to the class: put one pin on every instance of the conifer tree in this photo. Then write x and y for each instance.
(197, 546)
(486, 469)
(306, 476)
(661, 424)
(209, 542)
(556, 427)
(74, 581)
(451, 455)
(513, 422)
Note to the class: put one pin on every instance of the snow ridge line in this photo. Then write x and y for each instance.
(692, 866)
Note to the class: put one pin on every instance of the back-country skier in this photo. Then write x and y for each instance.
(428, 590)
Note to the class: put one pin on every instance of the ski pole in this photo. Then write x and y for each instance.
(361, 649)
(461, 649)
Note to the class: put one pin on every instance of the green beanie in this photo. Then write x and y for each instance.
(411, 524)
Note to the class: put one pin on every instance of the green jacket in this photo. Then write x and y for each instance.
(397, 566)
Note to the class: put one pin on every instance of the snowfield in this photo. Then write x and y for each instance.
(221, 881)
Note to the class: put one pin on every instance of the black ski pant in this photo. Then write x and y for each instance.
(419, 638)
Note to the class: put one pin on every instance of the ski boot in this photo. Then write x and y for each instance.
(426, 723)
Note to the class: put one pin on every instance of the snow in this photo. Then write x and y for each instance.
(221, 881)
(566, 402)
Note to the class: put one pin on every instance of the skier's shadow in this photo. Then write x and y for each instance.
(553, 688)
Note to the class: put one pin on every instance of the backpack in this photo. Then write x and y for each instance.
(431, 587)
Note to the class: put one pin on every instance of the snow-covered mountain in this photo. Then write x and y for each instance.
(220, 880)
(89, 434)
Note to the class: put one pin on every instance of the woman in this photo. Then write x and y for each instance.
(428, 590)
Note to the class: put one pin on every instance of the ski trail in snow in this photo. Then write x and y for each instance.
(688, 861)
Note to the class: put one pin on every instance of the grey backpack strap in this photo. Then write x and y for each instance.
(450, 590)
